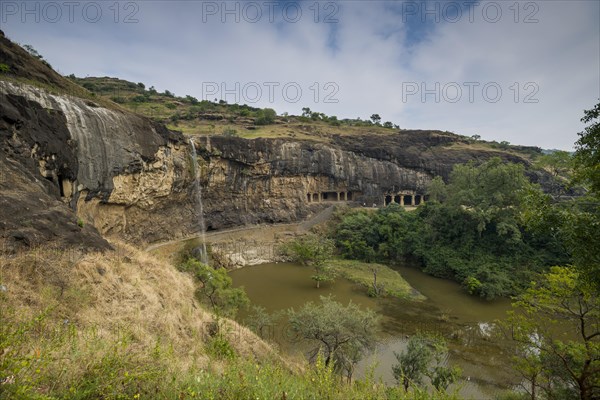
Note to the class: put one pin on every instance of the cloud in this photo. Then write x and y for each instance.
(368, 57)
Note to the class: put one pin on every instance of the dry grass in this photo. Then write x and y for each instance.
(122, 296)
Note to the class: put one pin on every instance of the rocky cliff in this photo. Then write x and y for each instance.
(71, 164)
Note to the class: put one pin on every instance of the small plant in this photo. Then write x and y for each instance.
(229, 132)
(4, 68)
(80, 223)
(219, 347)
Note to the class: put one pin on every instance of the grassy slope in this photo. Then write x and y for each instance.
(64, 314)
(125, 325)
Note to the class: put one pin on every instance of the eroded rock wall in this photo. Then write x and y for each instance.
(131, 177)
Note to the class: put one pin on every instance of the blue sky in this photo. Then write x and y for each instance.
(505, 70)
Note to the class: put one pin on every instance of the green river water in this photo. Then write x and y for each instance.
(466, 322)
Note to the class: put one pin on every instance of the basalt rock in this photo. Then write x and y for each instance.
(129, 176)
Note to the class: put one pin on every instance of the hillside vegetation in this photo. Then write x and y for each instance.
(204, 117)
(124, 325)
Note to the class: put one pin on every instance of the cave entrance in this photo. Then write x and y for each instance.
(349, 196)
(417, 199)
(330, 196)
(388, 200)
(408, 200)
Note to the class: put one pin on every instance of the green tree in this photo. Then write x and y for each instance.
(343, 334)
(556, 326)
(436, 190)
(587, 154)
(559, 162)
(376, 119)
(312, 250)
(425, 356)
(265, 116)
(216, 288)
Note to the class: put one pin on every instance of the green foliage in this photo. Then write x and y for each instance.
(314, 251)
(342, 333)
(259, 320)
(265, 116)
(425, 356)
(229, 132)
(555, 328)
(388, 281)
(219, 347)
(437, 190)
(4, 68)
(559, 163)
(477, 230)
(587, 154)
(118, 99)
(42, 359)
(80, 223)
(215, 288)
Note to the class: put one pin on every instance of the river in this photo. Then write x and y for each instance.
(466, 322)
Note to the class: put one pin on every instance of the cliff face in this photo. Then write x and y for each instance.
(131, 177)
(76, 167)
(97, 161)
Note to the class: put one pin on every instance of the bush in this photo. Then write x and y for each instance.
(265, 117)
(229, 132)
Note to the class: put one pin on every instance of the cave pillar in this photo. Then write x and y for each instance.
(412, 199)
(402, 200)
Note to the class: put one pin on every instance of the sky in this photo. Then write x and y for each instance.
(516, 71)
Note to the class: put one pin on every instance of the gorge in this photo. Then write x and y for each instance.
(86, 181)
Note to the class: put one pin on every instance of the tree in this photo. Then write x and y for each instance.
(265, 116)
(587, 154)
(306, 112)
(436, 190)
(376, 119)
(216, 288)
(556, 327)
(425, 356)
(558, 162)
(314, 251)
(191, 99)
(343, 334)
(388, 124)
(260, 321)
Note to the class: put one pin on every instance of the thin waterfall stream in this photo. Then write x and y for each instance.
(200, 208)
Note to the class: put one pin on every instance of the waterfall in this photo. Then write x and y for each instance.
(200, 208)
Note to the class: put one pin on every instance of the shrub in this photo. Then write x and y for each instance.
(229, 132)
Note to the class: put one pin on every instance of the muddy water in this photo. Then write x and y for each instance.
(466, 322)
